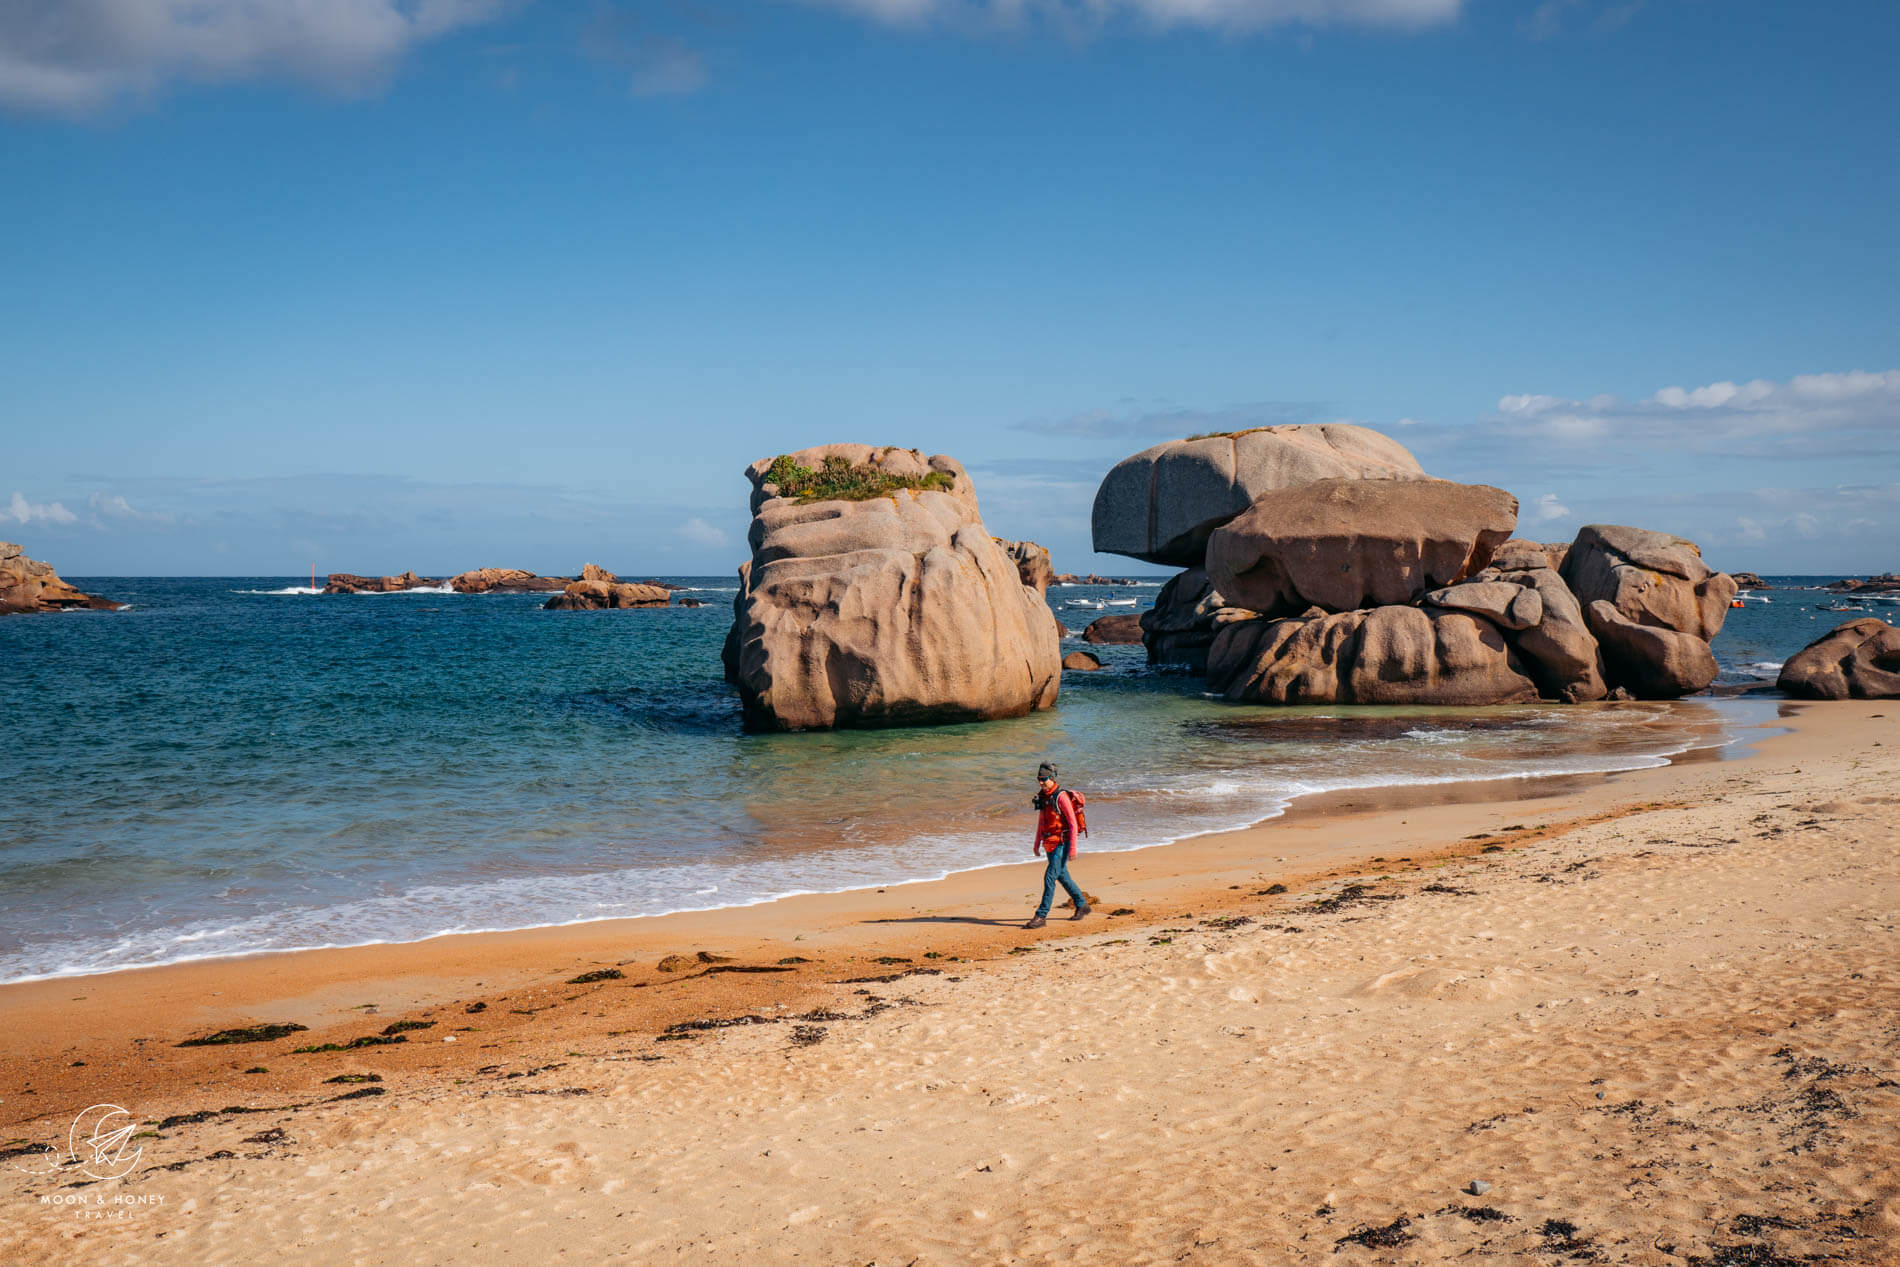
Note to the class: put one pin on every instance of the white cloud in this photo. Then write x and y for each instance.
(699, 532)
(113, 506)
(1225, 15)
(1751, 529)
(1549, 508)
(22, 511)
(1811, 415)
(79, 55)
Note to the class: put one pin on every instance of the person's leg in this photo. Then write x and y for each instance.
(1075, 890)
(1049, 875)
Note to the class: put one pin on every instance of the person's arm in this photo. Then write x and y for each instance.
(1036, 849)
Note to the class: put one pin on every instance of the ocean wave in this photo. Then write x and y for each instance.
(292, 589)
(1126, 819)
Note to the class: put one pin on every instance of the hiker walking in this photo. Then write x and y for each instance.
(1058, 822)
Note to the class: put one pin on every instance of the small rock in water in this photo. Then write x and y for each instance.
(1478, 1187)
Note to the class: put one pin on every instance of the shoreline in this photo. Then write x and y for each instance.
(862, 924)
(1566, 992)
(1696, 745)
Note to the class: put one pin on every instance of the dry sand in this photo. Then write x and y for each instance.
(1656, 1014)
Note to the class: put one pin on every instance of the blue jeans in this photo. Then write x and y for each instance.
(1058, 872)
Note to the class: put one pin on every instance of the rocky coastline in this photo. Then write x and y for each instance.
(28, 585)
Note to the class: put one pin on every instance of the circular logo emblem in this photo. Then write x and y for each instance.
(101, 1141)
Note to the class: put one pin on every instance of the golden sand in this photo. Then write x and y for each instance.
(1656, 1014)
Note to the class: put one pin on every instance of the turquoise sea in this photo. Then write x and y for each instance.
(237, 764)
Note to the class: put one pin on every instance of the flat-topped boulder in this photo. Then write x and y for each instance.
(505, 581)
(28, 585)
(1345, 544)
(1857, 660)
(1163, 503)
(875, 597)
(350, 583)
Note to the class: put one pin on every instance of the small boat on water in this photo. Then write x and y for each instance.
(1083, 602)
(1839, 607)
(1120, 602)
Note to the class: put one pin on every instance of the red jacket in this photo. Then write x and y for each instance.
(1056, 824)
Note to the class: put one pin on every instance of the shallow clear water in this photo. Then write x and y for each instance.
(238, 764)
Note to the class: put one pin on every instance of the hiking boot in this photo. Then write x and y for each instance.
(1081, 910)
(1037, 922)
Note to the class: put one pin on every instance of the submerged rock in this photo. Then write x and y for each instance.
(888, 605)
(1163, 503)
(1081, 662)
(1123, 628)
(1345, 544)
(28, 585)
(1857, 660)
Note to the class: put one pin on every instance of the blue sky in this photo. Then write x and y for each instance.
(436, 284)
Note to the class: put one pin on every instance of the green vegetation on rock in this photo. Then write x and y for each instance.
(838, 480)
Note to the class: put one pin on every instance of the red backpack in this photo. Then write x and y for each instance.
(1079, 803)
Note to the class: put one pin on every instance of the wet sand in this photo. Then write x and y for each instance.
(1656, 1010)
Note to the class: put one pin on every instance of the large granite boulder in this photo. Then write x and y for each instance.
(505, 581)
(350, 583)
(1388, 655)
(1556, 645)
(1857, 660)
(1162, 504)
(598, 590)
(1180, 627)
(28, 585)
(1649, 661)
(1032, 563)
(1343, 544)
(894, 607)
(1651, 578)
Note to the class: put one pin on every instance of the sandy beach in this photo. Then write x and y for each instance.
(1644, 1019)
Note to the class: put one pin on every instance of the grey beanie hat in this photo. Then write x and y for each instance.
(1045, 771)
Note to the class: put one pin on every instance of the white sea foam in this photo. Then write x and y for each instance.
(292, 589)
(1124, 820)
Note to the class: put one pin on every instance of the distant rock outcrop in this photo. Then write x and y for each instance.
(1888, 583)
(598, 589)
(1121, 628)
(1750, 581)
(1345, 544)
(350, 583)
(1071, 578)
(1032, 563)
(1162, 504)
(28, 585)
(1857, 660)
(505, 581)
(875, 597)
